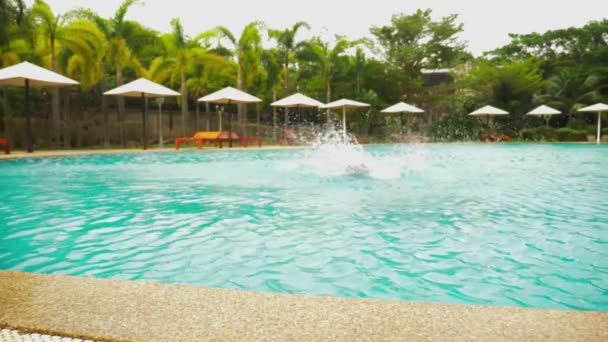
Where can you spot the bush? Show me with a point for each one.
(569, 134)
(539, 134)
(552, 134)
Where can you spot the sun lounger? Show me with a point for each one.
(6, 144)
(217, 138)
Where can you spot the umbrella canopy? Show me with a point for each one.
(16, 75)
(488, 111)
(544, 110)
(344, 104)
(402, 107)
(29, 75)
(599, 108)
(230, 95)
(297, 100)
(142, 88)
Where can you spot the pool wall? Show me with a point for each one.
(103, 309)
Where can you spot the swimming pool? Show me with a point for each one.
(514, 225)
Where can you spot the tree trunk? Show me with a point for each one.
(68, 123)
(7, 117)
(208, 125)
(286, 80)
(196, 118)
(55, 100)
(104, 112)
(274, 116)
(240, 107)
(184, 91)
(120, 102)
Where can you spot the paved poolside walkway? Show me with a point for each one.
(54, 153)
(102, 309)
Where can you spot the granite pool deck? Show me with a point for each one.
(102, 309)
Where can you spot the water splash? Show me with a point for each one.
(332, 156)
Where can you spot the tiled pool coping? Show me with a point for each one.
(103, 309)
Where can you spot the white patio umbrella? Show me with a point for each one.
(344, 104)
(599, 108)
(401, 108)
(30, 75)
(230, 95)
(545, 112)
(145, 89)
(488, 111)
(297, 101)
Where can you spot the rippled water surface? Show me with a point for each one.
(515, 225)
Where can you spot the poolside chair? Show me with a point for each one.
(217, 138)
(6, 144)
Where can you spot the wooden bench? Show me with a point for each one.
(6, 144)
(217, 139)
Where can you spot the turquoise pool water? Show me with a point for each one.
(513, 225)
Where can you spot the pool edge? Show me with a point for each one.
(104, 309)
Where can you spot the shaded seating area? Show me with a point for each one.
(493, 137)
(217, 138)
(6, 145)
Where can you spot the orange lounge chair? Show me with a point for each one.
(6, 144)
(217, 138)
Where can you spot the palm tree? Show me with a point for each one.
(325, 58)
(286, 41)
(82, 60)
(50, 24)
(272, 66)
(176, 61)
(246, 51)
(118, 56)
(209, 71)
(572, 89)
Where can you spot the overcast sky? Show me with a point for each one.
(486, 22)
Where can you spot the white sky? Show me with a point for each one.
(486, 22)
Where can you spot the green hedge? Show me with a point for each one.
(553, 134)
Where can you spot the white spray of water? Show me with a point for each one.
(331, 156)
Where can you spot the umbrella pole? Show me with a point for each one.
(160, 124)
(28, 119)
(229, 128)
(599, 127)
(219, 114)
(344, 123)
(143, 119)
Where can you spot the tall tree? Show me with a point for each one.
(246, 51)
(272, 67)
(414, 42)
(325, 58)
(286, 43)
(118, 55)
(50, 24)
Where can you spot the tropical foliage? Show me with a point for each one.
(417, 58)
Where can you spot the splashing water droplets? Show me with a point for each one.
(333, 156)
